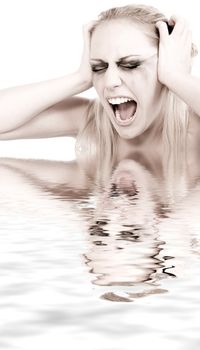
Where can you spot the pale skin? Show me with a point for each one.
(53, 109)
(174, 56)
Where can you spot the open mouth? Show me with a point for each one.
(124, 109)
(124, 183)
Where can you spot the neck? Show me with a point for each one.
(150, 139)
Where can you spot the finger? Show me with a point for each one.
(177, 19)
(88, 27)
(163, 30)
(86, 30)
(194, 50)
(180, 24)
(171, 21)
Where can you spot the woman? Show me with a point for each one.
(141, 72)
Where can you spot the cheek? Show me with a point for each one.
(137, 81)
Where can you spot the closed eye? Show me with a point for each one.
(125, 66)
(129, 66)
(99, 69)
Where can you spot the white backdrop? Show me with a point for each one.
(42, 39)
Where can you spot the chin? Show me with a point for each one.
(127, 134)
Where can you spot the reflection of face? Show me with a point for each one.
(134, 77)
(129, 197)
(124, 231)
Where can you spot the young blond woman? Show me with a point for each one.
(139, 63)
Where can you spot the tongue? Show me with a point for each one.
(126, 109)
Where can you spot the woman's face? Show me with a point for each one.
(124, 64)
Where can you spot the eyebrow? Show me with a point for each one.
(120, 60)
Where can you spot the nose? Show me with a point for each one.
(112, 78)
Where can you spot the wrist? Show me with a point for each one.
(84, 81)
(172, 81)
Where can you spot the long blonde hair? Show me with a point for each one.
(98, 133)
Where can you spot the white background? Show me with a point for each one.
(42, 39)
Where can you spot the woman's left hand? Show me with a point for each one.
(174, 58)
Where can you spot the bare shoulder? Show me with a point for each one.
(65, 118)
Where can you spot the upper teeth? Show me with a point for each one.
(118, 100)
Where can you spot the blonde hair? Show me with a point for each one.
(96, 143)
(98, 131)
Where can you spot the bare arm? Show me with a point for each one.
(65, 118)
(48, 108)
(19, 105)
(55, 176)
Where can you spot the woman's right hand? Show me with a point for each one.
(85, 69)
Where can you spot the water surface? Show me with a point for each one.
(107, 262)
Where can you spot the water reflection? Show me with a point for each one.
(127, 232)
(131, 227)
(125, 243)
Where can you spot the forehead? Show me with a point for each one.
(119, 37)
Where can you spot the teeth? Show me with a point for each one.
(117, 114)
(118, 100)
